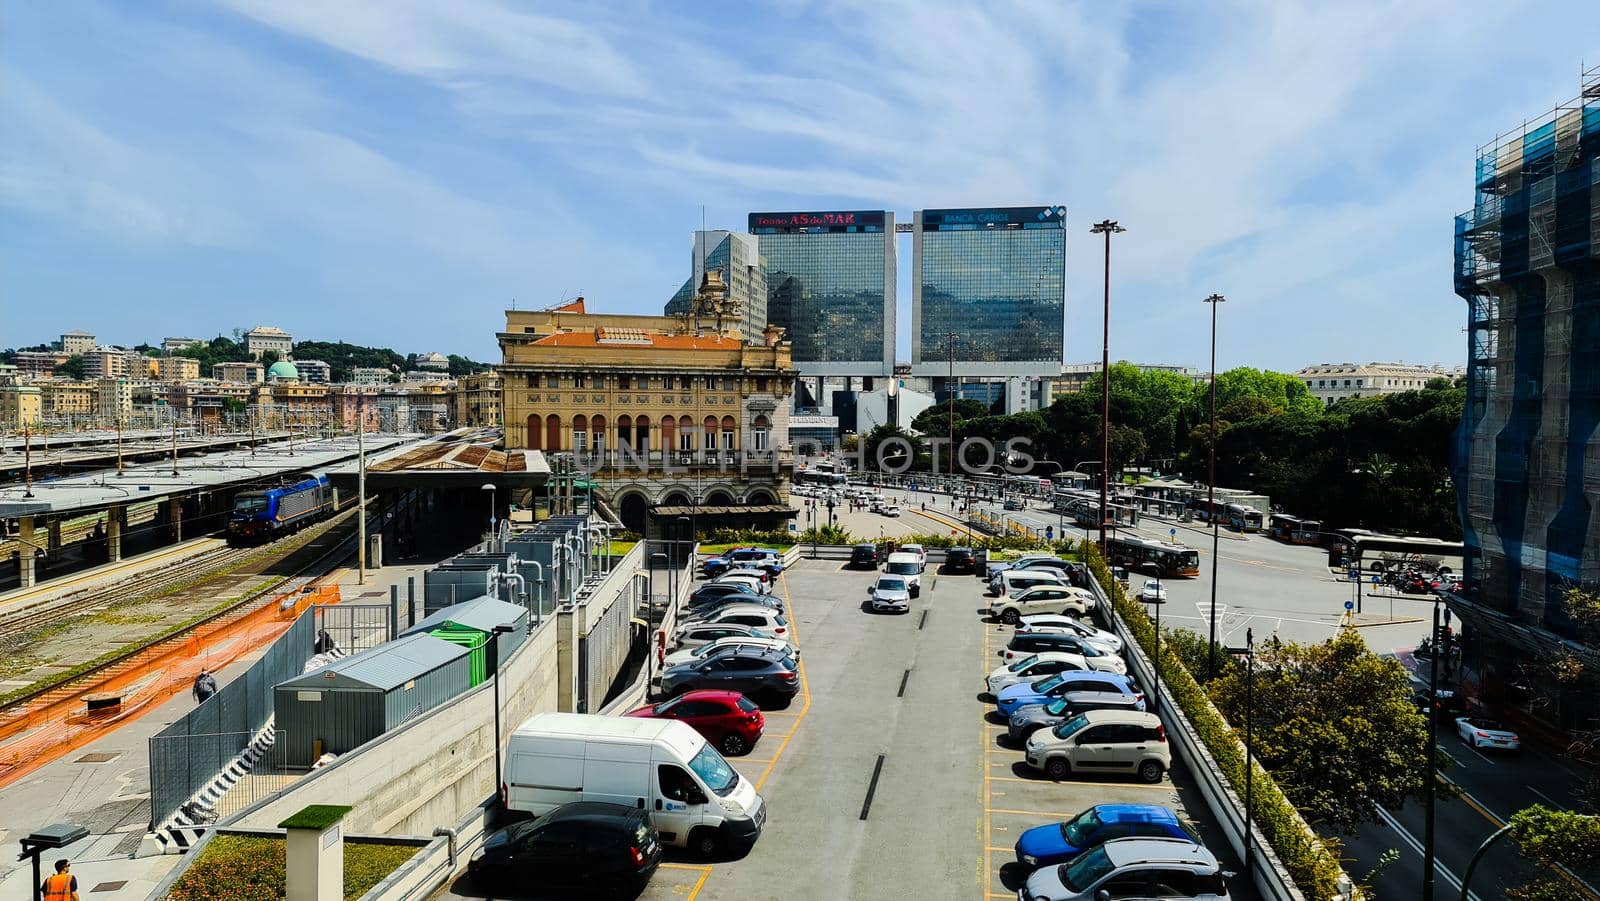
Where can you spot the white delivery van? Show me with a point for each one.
(695, 799)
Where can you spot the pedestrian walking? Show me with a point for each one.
(325, 643)
(205, 685)
(60, 886)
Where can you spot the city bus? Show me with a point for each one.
(1284, 526)
(1167, 559)
(1377, 553)
(822, 474)
(1242, 518)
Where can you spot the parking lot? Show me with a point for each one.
(884, 778)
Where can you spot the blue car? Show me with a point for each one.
(1045, 690)
(1060, 842)
(759, 558)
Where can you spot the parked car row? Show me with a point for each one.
(1071, 709)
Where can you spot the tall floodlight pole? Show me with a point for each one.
(1107, 227)
(1211, 494)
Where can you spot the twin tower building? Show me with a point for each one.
(988, 290)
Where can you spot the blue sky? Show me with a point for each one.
(395, 173)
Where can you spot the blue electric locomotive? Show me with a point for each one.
(266, 515)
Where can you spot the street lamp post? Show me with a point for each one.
(1107, 227)
(1211, 495)
(1431, 753)
(494, 653)
(488, 488)
(1249, 651)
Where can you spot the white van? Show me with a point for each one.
(695, 799)
(908, 566)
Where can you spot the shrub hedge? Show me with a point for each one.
(1312, 864)
(251, 868)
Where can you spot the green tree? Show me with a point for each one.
(1554, 838)
(1334, 724)
(894, 455)
(936, 419)
(268, 357)
(73, 368)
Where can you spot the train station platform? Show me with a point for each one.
(196, 489)
(52, 455)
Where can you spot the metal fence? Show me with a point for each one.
(353, 627)
(189, 753)
(222, 794)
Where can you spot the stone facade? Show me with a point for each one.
(659, 408)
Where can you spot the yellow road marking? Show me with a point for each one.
(684, 866)
(805, 690)
(1032, 813)
(695, 892)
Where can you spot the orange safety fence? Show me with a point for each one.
(68, 717)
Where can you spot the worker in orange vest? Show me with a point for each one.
(63, 886)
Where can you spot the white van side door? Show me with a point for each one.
(679, 802)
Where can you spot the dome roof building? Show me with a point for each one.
(283, 371)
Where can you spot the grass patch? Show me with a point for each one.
(251, 868)
(621, 548)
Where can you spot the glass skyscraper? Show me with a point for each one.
(830, 279)
(995, 279)
(735, 255)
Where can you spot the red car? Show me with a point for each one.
(727, 719)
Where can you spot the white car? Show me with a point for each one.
(694, 635)
(1034, 666)
(1054, 622)
(1153, 592)
(907, 566)
(890, 594)
(891, 510)
(716, 645)
(1055, 597)
(766, 619)
(1482, 732)
(755, 583)
(919, 550)
(1165, 868)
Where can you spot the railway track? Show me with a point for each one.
(342, 547)
(136, 587)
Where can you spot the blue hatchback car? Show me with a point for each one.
(1060, 842)
(1045, 690)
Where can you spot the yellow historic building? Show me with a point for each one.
(673, 410)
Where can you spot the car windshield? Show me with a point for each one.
(1084, 872)
(1080, 826)
(1024, 663)
(714, 771)
(892, 584)
(1087, 650)
(1057, 707)
(1070, 726)
(1045, 685)
(903, 569)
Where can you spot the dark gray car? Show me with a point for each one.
(1027, 720)
(704, 608)
(769, 678)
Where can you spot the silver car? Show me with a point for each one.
(890, 594)
(1027, 720)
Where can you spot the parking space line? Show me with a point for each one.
(805, 690)
(1033, 813)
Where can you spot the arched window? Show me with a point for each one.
(711, 433)
(729, 430)
(641, 435)
(624, 431)
(580, 434)
(552, 432)
(669, 434)
(535, 437)
(760, 432)
(597, 427)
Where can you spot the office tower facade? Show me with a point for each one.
(989, 289)
(831, 287)
(1527, 468)
(737, 257)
